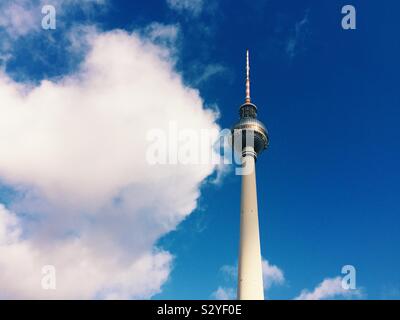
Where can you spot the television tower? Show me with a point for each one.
(252, 137)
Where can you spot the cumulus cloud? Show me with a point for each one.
(272, 275)
(21, 17)
(166, 35)
(192, 6)
(18, 17)
(9, 229)
(229, 271)
(158, 31)
(224, 294)
(329, 288)
(21, 31)
(74, 151)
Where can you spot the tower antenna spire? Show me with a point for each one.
(247, 100)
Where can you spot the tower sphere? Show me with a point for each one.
(251, 130)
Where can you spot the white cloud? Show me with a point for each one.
(18, 17)
(164, 35)
(230, 271)
(21, 17)
(21, 28)
(205, 72)
(192, 6)
(157, 31)
(272, 275)
(224, 294)
(295, 43)
(327, 289)
(9, 229)
(89, 203)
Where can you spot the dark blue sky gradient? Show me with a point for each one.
(328, 185)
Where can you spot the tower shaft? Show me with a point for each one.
(250, 279)
(250, 138)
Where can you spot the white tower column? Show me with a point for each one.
(250, 138)
(250, 279)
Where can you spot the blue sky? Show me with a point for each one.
(327, 185)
